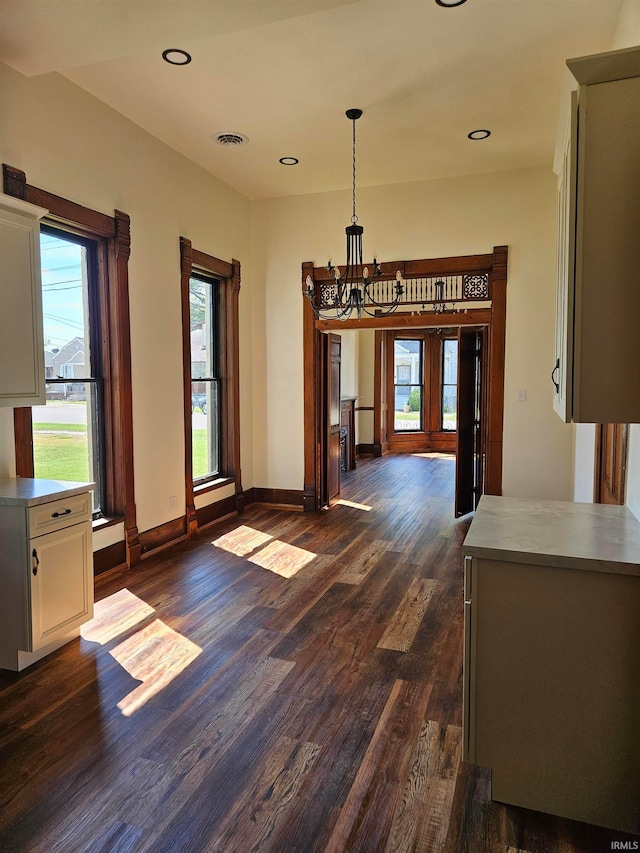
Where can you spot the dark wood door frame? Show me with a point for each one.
(493, 318)
(610, 463)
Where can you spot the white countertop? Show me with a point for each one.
(24, 491)
(594, 537)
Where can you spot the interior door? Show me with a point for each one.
(332, 408)
(611, 463)
(470, 449)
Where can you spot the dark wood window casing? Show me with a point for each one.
(196, 264)
(110, 237)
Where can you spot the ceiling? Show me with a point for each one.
(283, 72)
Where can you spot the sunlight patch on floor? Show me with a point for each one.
(242, 540)
(343, 502)
(283, 559)
(434, 454)
(114, 615)
(154, 656)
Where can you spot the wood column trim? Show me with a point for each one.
(311, 496)
(186, 265)
(120, 332)
(23, 432)
(234, 380)
(497, 336)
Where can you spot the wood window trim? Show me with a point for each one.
(112, 235)
(193, 262)
(493, 318)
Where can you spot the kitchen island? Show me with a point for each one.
(552, 657)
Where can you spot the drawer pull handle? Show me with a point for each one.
(58, 514)
(34, 554)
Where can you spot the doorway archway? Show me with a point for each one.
(478, 288)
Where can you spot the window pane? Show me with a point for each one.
(408, 408)
(407, 377)
(449, 384)
(67, 431)
(450, 363)
(65, 308)
(205, 420)
(203, 338)
(66, 438)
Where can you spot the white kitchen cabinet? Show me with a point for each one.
(46, 567)
(552, 649)
(597, 350)
(22, 374)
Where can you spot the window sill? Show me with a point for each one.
(102, 523)
(212, 485)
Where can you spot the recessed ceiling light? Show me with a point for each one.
(230, 139)
(449, 4)
(289, 161)
(175, 56)
(479, 134)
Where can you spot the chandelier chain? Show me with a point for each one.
(354, 218)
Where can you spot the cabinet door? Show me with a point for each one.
(61, 572)
(21, 341)
(565, 276)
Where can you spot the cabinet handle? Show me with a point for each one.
(58, 514)
(34, 555)
(557, 367)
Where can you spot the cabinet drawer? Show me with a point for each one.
(57, 515)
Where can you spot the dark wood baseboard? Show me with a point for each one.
(163, 535)
(172, 532)
(285, 498)
(422, 442)
(112, 557)
(214, 512)
(365, 450)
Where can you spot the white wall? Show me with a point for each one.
(349, 355)
(72, 144)
(454, 216)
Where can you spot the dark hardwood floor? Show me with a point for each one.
(285, 682)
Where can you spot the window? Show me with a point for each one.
(210, 288)
(85, 430)
(408, 384)
(204, 310)
(68, 441)
(449, 383)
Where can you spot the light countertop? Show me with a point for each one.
(592, 537)
(24, 491)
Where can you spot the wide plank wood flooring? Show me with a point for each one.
(284, 682)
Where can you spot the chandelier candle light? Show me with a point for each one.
(353, 291)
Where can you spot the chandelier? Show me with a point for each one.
(355, 290)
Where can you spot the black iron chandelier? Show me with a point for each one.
(356, 289)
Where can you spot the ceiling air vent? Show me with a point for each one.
(230, 140)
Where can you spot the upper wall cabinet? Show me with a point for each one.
(22, 374)
(596, 373)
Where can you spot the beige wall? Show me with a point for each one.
(73, 145)
(438, 218)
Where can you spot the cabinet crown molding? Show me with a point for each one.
(605, 67)
(17, 205)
